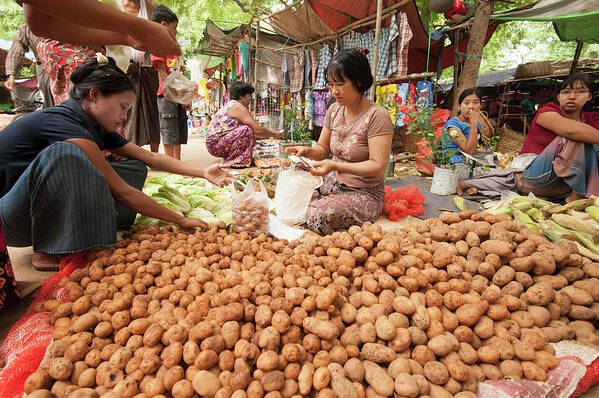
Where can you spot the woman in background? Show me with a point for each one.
(232, 132)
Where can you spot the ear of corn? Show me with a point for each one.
(460, 203)
(535, 214)
(580, 204)
(522, 218)
(501, 210)
(593, 211)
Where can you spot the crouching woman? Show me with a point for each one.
(57, 191)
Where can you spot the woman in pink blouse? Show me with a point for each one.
(358, 134)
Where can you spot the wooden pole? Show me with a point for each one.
(456, 64)
(220, 87)
(377, 37)
(256, 67)
(576, 56)
(471, 67)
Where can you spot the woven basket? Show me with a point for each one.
(487, 130)
(509, 140)
(533, 69)
(410, 141)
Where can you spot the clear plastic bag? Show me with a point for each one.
(293, 194)
(179, 89)
(250, 208)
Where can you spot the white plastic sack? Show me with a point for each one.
(293, 193)
(250, 209)
(179, 89)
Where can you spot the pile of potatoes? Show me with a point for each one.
(427, 310)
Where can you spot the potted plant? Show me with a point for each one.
(419, 120)
(297, 126)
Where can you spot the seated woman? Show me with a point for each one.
(232, 132)
(58, 193)
(562, 135)
(358, 133)
(461, 132)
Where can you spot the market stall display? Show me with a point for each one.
(433, 309)
(191, 197)
(577, 221)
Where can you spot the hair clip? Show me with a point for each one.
(363, 51)
(101, 58)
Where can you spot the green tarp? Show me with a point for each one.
(573, 20)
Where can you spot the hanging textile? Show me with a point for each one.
(244, 48)
(314, 67)
(320, 106)
(387, 96)
(296, 75)
(386, 66)
(239, 63)
(233, 68)
(324, 57)
(309, 106)
(425, 93)
(307, 68)
(402, 92)
(405, 35)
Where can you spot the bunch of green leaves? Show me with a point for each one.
(418, 118)
(295, 120)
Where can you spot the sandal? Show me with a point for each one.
(45, 262)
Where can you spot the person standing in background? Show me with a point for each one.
(23, 41)
(172, 116)
(143, 125)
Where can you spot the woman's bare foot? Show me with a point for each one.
(45, 262)
(469, 190)
(574, 196)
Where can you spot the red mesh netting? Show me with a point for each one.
(25, 345)
(590, 379)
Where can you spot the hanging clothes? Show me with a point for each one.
(244, 48)
(387, 96)
(307, 68)
(320, 106)
(233, 68)
(239, 63)
(425, 93)
(402, 92)
(314, 64)
(296, 75)
(324, 57)
(309, 106)
(386, 65)
(405, 35)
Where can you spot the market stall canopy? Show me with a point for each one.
(316, 19)
(220, 42)
(573, 20)
(487, 79)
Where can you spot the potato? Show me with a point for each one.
(321, 378)
(440, 345)
(436, 372)
(532, 371)
(342, 386)
(377, 353)
(378, 378)
(406, 385)
(324, 329)
(38, 380)
(205, 383)
(61, 368)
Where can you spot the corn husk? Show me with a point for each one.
(460, 203)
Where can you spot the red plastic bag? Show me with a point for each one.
(405, 201)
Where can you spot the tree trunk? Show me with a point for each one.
(475, 49)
